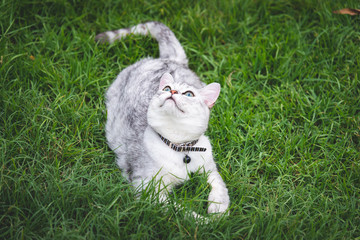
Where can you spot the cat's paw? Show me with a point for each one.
(218, 203)
(215, 207)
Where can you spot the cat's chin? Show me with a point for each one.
(176, 125)
(176, 135)
(171, 104)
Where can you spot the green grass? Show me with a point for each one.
(285, 130)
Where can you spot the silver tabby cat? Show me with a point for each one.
(157, 113)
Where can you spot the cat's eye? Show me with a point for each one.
(167, 89)
(189, 94)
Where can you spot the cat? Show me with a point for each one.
(157, 113)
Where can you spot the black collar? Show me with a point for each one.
(183, 147)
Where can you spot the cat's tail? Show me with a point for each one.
(169, 45)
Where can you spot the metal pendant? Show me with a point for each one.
(187, 159)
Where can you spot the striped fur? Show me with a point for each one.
(170, 48)
(139, 110)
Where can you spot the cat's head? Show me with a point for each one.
(180, 112)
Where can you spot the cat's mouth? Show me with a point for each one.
(172, 99)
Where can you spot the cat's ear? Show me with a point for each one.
(210, 93)
(165, 80)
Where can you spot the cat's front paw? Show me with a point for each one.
(217, 207)
(218, 203)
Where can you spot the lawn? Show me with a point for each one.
(285, 130)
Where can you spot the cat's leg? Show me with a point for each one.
(158, 191)
(218, 198)
(152, 188)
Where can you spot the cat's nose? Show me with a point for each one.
(173, 92)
